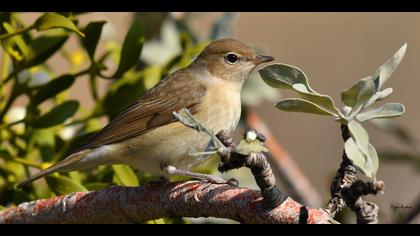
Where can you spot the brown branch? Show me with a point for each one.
(156, 200)
(260, 169)
(188, 199)
(296, 183)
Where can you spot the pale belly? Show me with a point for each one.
(170, 144)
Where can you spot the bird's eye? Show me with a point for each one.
(231, 58)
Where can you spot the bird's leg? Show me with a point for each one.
(172, 170)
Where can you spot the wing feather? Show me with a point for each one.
(152, 110)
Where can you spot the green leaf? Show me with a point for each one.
(284, 76)
(9, 47)
(17, 39)
(93, 32)
(131, 49)
(385, 111)
(53, 88)
(359, 94)
(57, 115)
(45, 142)
(121, 94)
(5, 17)
(125, 175)
(76, 176)
(301, 105)
(323, 101)
(52, 20)
(245, 148)
(360, 135)
(384, 72)
(43, 48)
(367, 164)
(93, 186)
(61, 185)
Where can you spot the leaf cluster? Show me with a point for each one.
(357, 100)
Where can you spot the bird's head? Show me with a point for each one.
(229, 59)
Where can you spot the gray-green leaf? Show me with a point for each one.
(385, 111)
(360, 135)
(384, 72)
(52, 20)
(301, 105)
(284, 76)
(61, 185)
(57, 115)
(359, 94)
(323, 101)
(384, 94)
(125, 175)
(367, 163)
(354, 154)
(379, 96)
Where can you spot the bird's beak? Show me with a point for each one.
(261, 59)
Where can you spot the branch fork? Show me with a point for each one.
(346, 190)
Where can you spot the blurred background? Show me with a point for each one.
(333, 49)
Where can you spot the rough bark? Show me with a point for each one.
(155, 200)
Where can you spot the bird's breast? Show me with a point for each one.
(221, 108)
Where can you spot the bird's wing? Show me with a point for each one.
(152, 110)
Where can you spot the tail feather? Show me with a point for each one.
(62, 165)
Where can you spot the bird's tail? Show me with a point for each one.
(63, 165)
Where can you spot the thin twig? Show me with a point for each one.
(260, 169)
(295, 181)
(345, 177)
(346, 190)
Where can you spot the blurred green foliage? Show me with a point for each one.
(50, 124)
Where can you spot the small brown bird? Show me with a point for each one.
(148, 137)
